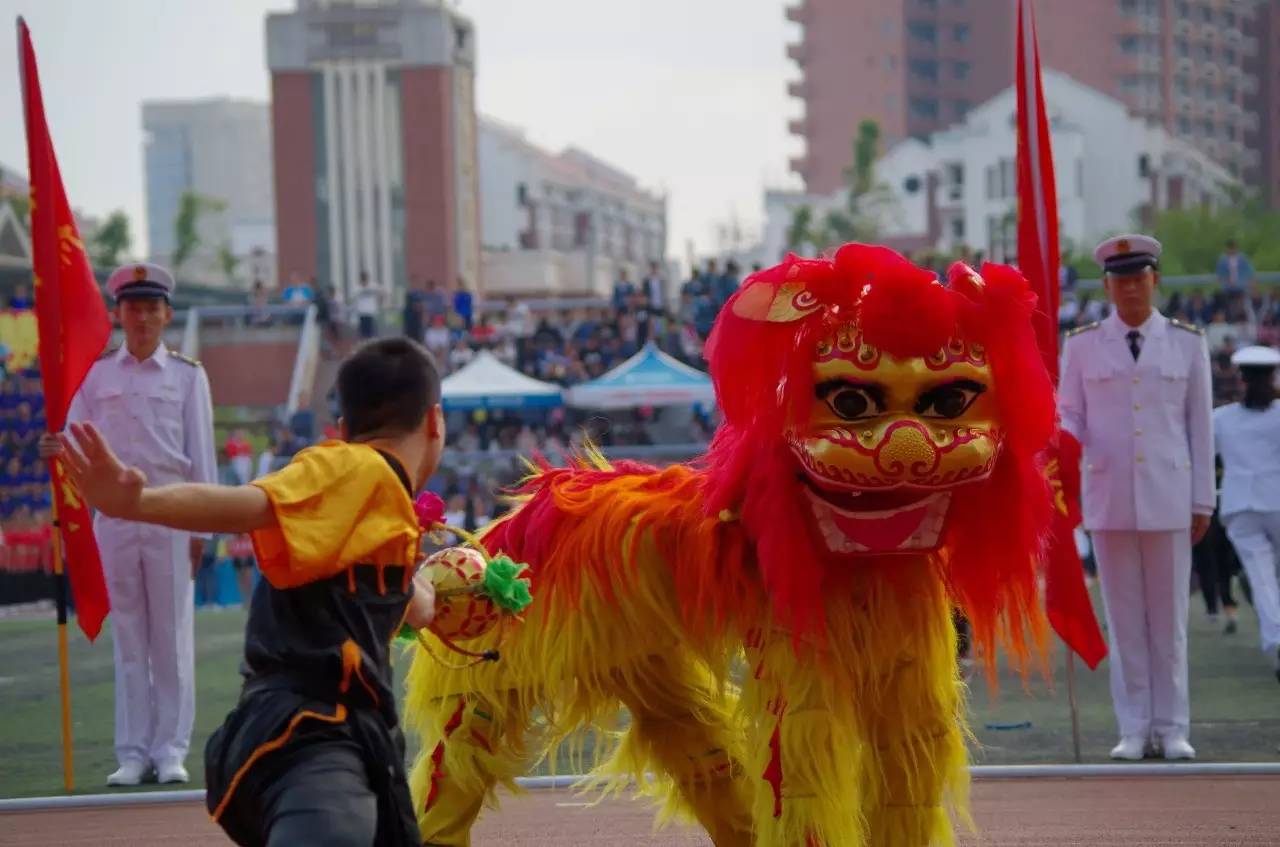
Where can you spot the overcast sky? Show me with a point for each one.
(687, 95)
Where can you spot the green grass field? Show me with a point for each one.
(1235, 703)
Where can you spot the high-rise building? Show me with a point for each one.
(917, 66)
(1266, 102)
(373, 112)
(220, 149)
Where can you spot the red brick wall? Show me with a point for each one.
(249, 374)
(293, 150)
(429, 175)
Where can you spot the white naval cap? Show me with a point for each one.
(1125, 254)
(140, 279)
(1256, 356)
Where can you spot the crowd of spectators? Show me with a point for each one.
(25, 499)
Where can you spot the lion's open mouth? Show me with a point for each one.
(898, 521)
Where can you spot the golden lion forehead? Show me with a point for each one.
(794, 300)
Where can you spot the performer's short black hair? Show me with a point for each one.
(386, 387)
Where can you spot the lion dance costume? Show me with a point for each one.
(776, 616)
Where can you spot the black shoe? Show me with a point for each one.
(1231, 627)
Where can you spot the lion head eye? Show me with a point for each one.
(950, 400)
(852, 401)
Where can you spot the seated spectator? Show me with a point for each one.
(411, 318)
(368, 305)
(438, 336)
(460, 355)
(434, 300)
(484, 333)
(20, 298)
(298, 292)
(519, 320)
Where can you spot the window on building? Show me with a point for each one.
(961, 108)
(1131, 84)
(1184, 125)
(1205, 52)
(1002, 179)
(1129, 44)
(957, 229)
(1206, 13)
(1144, 165)
(928, 4)
(1207, 89)
(960, 33)
(1184, 9)
(923, 69)
(890, 106)
(1206, 128)
(1228, 56)
(955, 180)
(924, 107)
(961, 70)
(923, 31)
(1229, 93)
(890, 62)
(1129, 6)
(1181, 85)
(1183, 48)
(1228, 17)
(522, 194)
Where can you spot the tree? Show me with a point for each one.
(228, 261)
(186, 224)
(860, 177)
(1194, 238)
(798, 231)
(112, 239)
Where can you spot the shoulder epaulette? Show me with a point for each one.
(110, 351)
(1071, 333)
(1184, 325)
(186, 360)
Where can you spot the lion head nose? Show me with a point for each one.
(908, 450)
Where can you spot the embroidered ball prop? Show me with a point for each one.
(472, 595)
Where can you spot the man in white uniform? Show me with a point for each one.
(154, 407)
(1135, 391)
(1247, 436)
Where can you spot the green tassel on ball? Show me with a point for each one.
(407, 633)
(504, 585)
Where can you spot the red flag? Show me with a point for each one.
(73, 329)
(1066, 597)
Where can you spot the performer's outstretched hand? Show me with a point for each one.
(109, 485)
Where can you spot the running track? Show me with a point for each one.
(1092, 812)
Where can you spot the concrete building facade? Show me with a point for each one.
(916, 66)
(958, 186)
(561, 223)
(373, 113)
(220, 149)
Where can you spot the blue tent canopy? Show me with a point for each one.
(486, 383)
(649, 378)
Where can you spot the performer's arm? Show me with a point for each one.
(120, 491)
(422, 606)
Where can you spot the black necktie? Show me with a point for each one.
(1134, 346)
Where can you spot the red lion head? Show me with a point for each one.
(872, 411)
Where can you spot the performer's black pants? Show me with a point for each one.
(1214, 561)
(316, 794)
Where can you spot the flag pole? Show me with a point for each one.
(1071, 699)
(64, 670)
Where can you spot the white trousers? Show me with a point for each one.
(148, 571)
(1256, 537)
(1146, 580)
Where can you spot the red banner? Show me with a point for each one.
(1066, 596)
(73, 329)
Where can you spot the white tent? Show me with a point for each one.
(486, 383)
(649, 378)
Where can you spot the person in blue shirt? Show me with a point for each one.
(1235, 271)
(622, 291)
(463, 303)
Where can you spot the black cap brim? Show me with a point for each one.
(145, 289)
(1130, 263)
